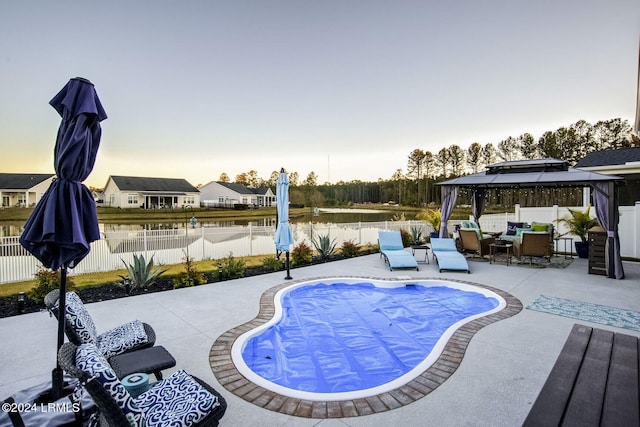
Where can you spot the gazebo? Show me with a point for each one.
(543, 173)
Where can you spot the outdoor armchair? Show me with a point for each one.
(471, 243)
(533, 245)
(179, 400)
(80, 328)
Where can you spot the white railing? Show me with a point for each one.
(204, 243)
(212, 243)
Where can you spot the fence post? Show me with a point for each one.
(203, 243)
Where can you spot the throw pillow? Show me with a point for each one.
(539, 227)
(512, 226)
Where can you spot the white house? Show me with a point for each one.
(23, 189)
(624, 162)
(149, 193)
(225, 194)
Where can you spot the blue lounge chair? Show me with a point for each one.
(447, 255)
(392, 249)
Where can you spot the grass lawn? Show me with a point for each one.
(97, 279)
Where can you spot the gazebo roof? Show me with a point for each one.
(531, 173)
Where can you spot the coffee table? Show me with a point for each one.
(493, 250)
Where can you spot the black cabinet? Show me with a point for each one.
(597, 248)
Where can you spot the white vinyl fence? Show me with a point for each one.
(204, 243)
(212, 243)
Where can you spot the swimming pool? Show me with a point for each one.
(346, 338)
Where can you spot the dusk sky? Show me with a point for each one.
(346, 89)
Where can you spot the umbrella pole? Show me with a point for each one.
(288, 264)
(57, 374)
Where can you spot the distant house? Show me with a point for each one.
(23, 189)
(624, 162)
(149, 193)
(225, 194)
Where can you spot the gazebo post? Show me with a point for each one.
(613, 225)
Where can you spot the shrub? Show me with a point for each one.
(142, 273)
(190, 277)
(232, 268)
(46, 281)
(350, 249)
(324, 246)
(433, 217)
(301, 254)
(407, 240)
(272, 263)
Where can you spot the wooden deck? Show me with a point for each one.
(594, 382)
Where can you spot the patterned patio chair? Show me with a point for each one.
(179, 400)
(80, 328)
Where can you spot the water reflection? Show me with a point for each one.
(340, 216)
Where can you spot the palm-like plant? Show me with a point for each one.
(433, 217)
(579, 223)
(325, 246)
(142, 273)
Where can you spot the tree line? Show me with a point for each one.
(416, 186)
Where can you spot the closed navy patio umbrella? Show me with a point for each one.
(64, 222)
(283, 238)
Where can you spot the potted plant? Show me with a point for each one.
(579, 224)
(433, 217)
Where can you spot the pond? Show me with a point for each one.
(321, 215)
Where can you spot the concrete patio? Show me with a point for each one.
(504, 368)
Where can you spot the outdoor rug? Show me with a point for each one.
(537, 262)
(588, 312)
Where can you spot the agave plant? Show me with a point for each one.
(325, 246)
(142, 273)
(416, 234)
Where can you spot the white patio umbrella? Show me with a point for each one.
(283, 237)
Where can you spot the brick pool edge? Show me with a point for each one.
(233, 381)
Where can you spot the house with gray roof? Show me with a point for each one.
(23, 189)
(149, 193)
(226, 194)
(624, 162)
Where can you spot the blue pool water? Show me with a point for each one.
(342, 337)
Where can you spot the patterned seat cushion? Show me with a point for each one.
(94, 365)
(176, 401)
(78, 318)
(122, 339)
